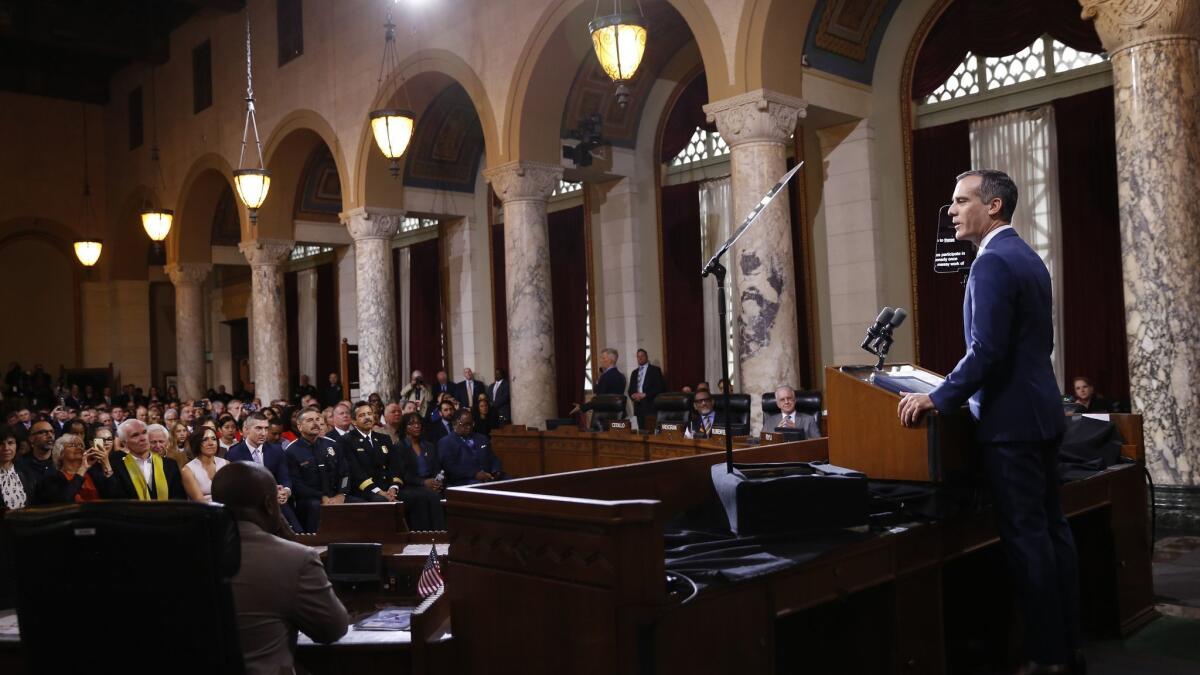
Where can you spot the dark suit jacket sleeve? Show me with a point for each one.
(317, 611)
(282, 475)
(174, 480)
(991, 290)
(452, 461)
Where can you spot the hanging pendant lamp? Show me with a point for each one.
(392, 127)
(252, 183)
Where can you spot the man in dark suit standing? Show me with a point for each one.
(281, 586)
(469, 389)
(138, 473)
(611, 380)
(254, 448)
(500, 394)
(645, 383)
(331, 394)
(1007, 379)
(443, 385)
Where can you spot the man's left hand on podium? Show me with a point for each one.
(912, 407)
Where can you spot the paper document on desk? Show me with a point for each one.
(391, 618)
(906, 379)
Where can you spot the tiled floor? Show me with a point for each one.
(1170, 644)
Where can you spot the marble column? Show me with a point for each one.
(524, 187)
(1155, 52)
(188, 279)
(373, 231)
(758, 127)
(268, 326)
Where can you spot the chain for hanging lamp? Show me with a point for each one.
(619, 40)
(392, 127)
(88, 248)
(252, 183)
(156, 220)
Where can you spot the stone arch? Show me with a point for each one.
(285, 154)
(540, 84)
(60, 238)
(424, 74)
(767, 53)
(191, 234)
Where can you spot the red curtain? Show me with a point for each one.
(939, 155)
(568, 280)
(499, 299)
(996, 28)
(683, 290)
(425, 307)
(328, 328)
(1093, 298)
(686, 115)
(291, 308)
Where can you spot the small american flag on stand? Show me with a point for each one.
(431, 575)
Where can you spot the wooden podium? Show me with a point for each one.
(865, 434)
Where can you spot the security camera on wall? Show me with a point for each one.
(590, 139)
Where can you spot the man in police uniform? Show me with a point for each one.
(319, 474)
(377, 468)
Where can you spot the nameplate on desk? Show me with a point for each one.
(718, 431)
(770, 437)
(614, 425)
(669, 427)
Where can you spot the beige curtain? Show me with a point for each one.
(716, 224)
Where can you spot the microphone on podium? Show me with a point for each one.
(874, 331)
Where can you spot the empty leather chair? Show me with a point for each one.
(739, 413)
(607, 407)
(674, 407)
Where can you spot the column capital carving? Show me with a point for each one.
(1122, 24)
(187, 273)
(524, 180)
(761, 115)
(266, 252)
(372, 223)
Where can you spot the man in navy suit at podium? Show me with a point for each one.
(1007, 379)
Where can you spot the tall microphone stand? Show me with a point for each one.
(715, 268)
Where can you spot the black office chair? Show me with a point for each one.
(673, 407)
(739, 412)
(108, 568)
(808, 401)
(606, 407)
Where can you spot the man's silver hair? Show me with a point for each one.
(611, 352)
(60, 443)
(785, 386)
(126, 427)
(151, 428)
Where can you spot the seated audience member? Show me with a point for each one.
(424, 452)
(198, 474)
(788, 418)
(705, 418)
(41, 442)
(74, 481)
(237, 409)
(485, 416)
(16, 483)
(1086, 400)
(138, 473)
(178, 433)
(390, 422)
(275, 427)
(154, 415)
(255, 448)
(281, 586)
(687, 389)
(105, 435)
(410, 407)
(79, 428)
(466, 456)
(228, 434)
(443, 425)
(163, 444)
(141, 413)
(341, 421)
(703, 386)
(417, 392)
(58, 420)
(318, 471)
(378, 470)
